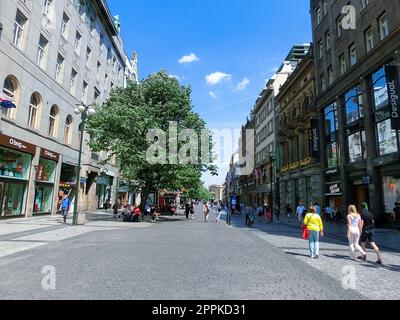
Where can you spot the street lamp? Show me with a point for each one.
(85, 112)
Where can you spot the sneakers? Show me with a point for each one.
(363, 258)
(379, 262)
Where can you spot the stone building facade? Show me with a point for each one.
(299, 171)
(54, 55)
(360, 149)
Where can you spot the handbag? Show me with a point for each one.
(306, 234)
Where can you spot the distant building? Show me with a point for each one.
(217, 191)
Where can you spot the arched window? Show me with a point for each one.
(10, 88)
(53, 120)
(34, 111)
(68, 130)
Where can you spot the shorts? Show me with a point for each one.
(368, 235)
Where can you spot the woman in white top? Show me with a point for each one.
(354, 230)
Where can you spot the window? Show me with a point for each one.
(65, 26)
(342, 64)
(84, 91)
(332, 153)
(353, 105)
(72, 84)
(10, 88)
(352, 55)
(88, 55)
(42, 52)
(98, 70)
(357, 147)
(325, 7)
(18, 33)
(68, 130)
(383, 26)
(53, 121)
(96, 95)
(109, 55)
(48, 5)
(364, 3)
(387, 138)
(328, 41)
(270, 127)
(321, 49)
(331, 122)
(33, 111)
(60, 69)
(323, 82)
(380, 93)
(78, 39)
(369, 39)
(101, 41)
(339, 28)
(318, 15)
(330, 75)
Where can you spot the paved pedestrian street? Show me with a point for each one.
(179, 259)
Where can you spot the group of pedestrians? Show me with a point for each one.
(360, 229)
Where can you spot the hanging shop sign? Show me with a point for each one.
(315, 139)
(393, 87)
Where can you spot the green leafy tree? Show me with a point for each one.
(121, 125)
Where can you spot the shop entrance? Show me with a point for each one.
(361, 194)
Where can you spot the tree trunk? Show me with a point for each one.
(144, 196)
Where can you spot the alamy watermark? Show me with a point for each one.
(193, 147)
(349, 278)
(49, 279)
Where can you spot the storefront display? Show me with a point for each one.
(391, 192)
(14, 164)
(12, 196)
(103, 190)
(43, 199)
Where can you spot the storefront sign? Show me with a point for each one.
(17, 144)
(103, 180)
(367, 180)
(315, 139)
(44, 153)
(70, 161)
(393, 87)
(334, 189)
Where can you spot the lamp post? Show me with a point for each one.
(85, 111)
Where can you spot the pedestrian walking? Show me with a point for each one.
(299, 213)
(187, 210)
(191, 211)
(260, 212)
(315, 228)
(318, 209)
(368, 232)
(206, 211)
(396, 214)
(217, 211)
(115, 210)
(277, 213)
(268, 214)
(65, 206)
(354, 230)
(329, 213)
(289, 212)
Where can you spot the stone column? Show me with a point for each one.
(374, 188)
(342, 139)
(30, 198)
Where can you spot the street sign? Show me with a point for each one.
(393, 87)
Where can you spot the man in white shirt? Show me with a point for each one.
(299, 212)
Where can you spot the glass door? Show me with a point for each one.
(1, 198)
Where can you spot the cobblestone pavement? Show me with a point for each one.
(372, 281)
(173, 259)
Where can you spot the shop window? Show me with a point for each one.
(46, 170)
(391, 192)
(331, 121)
(10, 88)
(332, 155)
(12, 197)
(43, 199)
(387, 138)
(14, 164)
(354, 105)
(357, 147)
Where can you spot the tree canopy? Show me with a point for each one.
(121, 127)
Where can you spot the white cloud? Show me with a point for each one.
(188, 59)
(217, 77)
(213, 94)
(176, 77)
(243, 84)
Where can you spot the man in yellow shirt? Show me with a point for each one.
(315, 227)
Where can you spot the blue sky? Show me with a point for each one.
(237, 43)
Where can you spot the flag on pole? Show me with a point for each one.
(6, 101)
